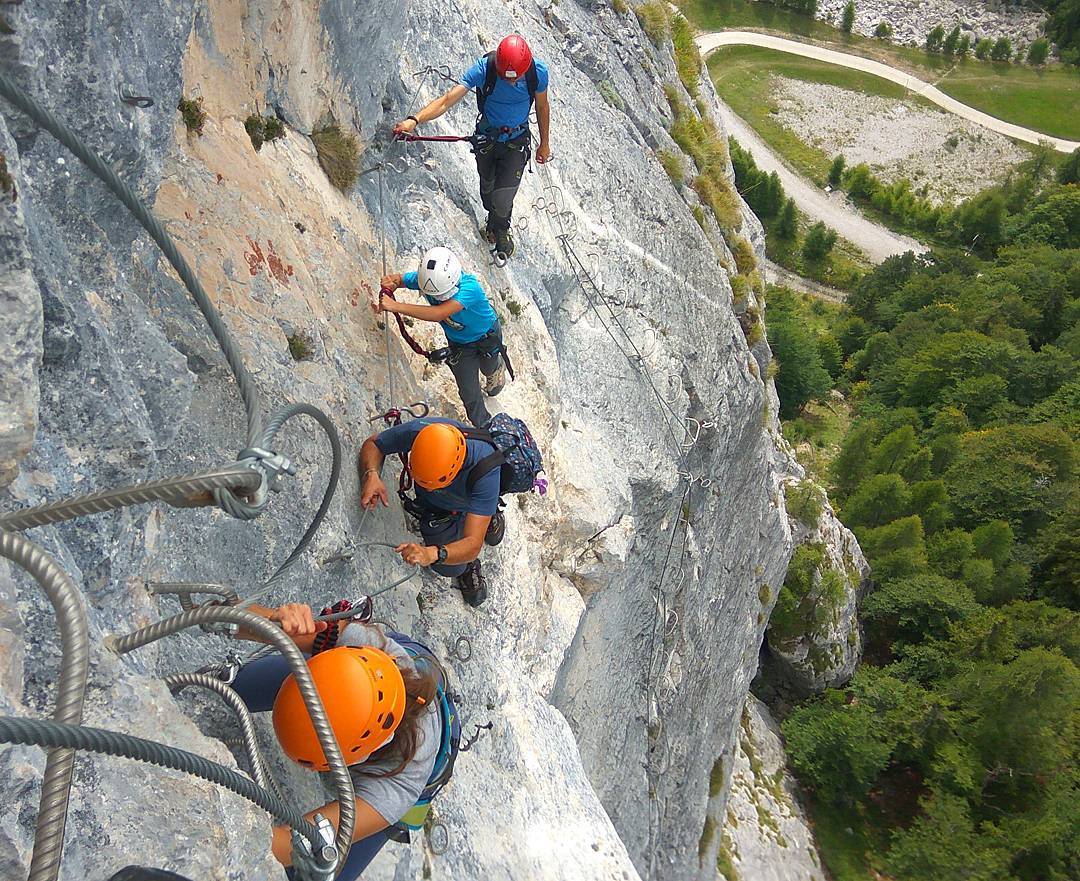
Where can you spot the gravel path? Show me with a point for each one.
(708, 42)
(945, 158)
(777, 275)
(834, 209)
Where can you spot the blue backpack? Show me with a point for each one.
(448, 747)
(516, 454)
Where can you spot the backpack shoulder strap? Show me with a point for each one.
(532, 80)
(486, 465)
(491, 76)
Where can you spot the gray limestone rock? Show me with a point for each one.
(765, 835)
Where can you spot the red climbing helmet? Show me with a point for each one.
(513, 57)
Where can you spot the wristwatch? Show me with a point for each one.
(442, 554)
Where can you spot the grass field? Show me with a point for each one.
(1047, 99)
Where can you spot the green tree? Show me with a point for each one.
(935, 38)
(896, 550)
(787, 225)
(883, 31)
(878, 500)
(847, 19)
(1069, 170)
(836, 171)
(1002, 50)
(802, 377)
(1058, 560)
(952, 42)
(923, 606)
(860, 182)
(930, 500)
(964, 46)
(983, 48)
(832, 357)
(837, 748)
(1038, 51)
(1063, 27)
(944, 842)
(948, 550)
(977, 222)
(818, 243)
(1016, 473)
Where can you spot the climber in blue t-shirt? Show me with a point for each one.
(458, 302)
(507, 82)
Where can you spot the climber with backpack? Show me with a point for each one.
(460, 474)
(457, 301)
(507, 82)
(387, 700)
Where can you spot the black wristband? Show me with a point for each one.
(442, 552)
(413, 118)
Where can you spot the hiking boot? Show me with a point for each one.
(494, 383)
(489, 234)
(496, 529)
(472, 585)
(504, 244)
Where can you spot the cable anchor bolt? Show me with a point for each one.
(315, 861)
(272, 465)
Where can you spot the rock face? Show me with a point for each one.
(625, 613)
(765, 836)
(813, 639)
(1019, 21)
(20, 322)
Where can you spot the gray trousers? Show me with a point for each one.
(500, 165)
(467, 362)
(441, 529)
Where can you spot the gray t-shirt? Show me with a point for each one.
(393, 796)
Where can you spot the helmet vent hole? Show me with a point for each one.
(389, 723)
(381, 698)
(355, 749)
(431, 264)
(365, 734)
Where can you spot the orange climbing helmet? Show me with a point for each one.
(364, 696)
(437, 455)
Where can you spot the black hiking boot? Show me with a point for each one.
(472, 585)
(496, 529)
(504, 244)
(489, 234)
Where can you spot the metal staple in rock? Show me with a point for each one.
(56, 735)
(178, 491)
(71, 694)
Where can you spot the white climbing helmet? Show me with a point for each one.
(439, 273)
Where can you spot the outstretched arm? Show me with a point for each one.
(424, 313)
(543, 120)
(368, 822)
(433, 110)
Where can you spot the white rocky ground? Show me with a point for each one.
(912, 19)
(948, 157)
(765, 835)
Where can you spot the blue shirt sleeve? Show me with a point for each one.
(484, 498)
(399, 439)
(411, 280)
(474, 77)
(541, 77)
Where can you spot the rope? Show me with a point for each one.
(71, 693)
(46, 120)
(53, 735)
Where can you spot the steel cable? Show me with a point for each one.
(180, 681)
(53, 735)
(184, 491)
(339, 772)
(44, 118)
(71, 694)
(273, 426)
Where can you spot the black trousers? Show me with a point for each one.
(467, 362)
(500, 165)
